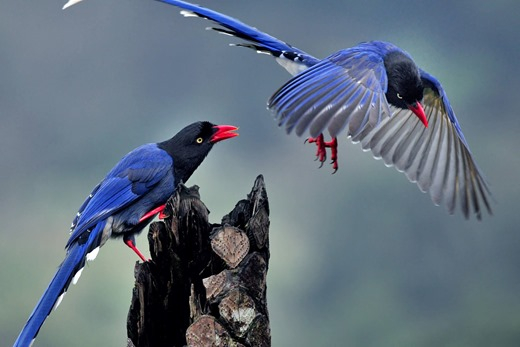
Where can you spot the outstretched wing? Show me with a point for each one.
(134, 176)
(345, 89)
(437, 158)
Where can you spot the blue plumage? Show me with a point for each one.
(71, 265)
(125, 201)
(376, 94)
(144, 175)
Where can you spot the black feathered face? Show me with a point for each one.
(195, 138)
(405, 87)
(190, 146)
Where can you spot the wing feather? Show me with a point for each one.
(436, 158)
(134, 176)
(339, 91)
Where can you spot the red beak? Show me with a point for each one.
(223, 132)
(417, 108)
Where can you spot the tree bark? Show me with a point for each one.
(206, 283)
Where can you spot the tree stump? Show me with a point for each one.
(206, 283)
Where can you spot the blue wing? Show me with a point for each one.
(437, 158)
(132, 178)
(345, 89)
(291, 58)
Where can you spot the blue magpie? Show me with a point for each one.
(123, 203)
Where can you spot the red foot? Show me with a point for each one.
(153, 212)
(130, 244)
(321, 151)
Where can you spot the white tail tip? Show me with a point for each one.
(70, 3)
(186, 13)
(93, 254)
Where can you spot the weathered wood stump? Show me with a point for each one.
(206, 283)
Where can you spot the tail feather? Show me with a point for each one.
(68, 272)
(261, 42)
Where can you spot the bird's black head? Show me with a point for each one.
(191, 145)
(405, 87)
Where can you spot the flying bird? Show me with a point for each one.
(123, 203)
(377, 94)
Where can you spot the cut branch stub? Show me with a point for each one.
(215, 285)
(230, 244)
(207, 331)
(238, 310)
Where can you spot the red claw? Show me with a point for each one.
(321, 151)
(162, 215)
(153, 212)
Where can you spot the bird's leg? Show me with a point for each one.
(321, 151)
(153, 212)
(130, 242)
(333, 145)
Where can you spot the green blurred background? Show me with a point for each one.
(359, 258)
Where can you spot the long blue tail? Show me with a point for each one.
(68, 272)
(260, 41)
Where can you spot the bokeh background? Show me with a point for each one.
(359, 258)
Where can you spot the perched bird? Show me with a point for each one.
(377, 94)
(125, 201)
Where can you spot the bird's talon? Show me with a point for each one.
(321, 151)
(334, 166)
(311, 140)
(153, 212)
